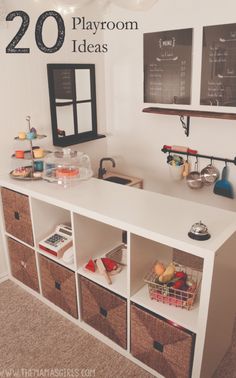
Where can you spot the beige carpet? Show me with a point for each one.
(36, 341)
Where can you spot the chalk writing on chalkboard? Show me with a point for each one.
(218, 80)
(167, 66)
(64, 83)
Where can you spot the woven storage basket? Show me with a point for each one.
(17, 218)
(104, 311)
(58, 285)
(160, 345)
(187, 259)
(23, 264)
(164, 293)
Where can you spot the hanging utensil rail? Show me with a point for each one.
(169, 150)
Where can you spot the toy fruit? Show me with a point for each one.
(156, 280)
(184, 287)
(179, 284)
(90, 265)
(159, 269)
(172, 281)
(191, 284)
(168, 274)
(109, 264)
(181, 275)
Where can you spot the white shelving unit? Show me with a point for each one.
(182, 317)
(45, 218)
(57, 260)
(119, 281)
(156, 225)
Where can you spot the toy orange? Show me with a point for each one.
(159, 268)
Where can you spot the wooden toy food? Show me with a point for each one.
(22, 172)
(38, 152)
(110, 265)
(168, 274)
(67, 172)
(22, 135)
(180, 284)
(30, 135)
(191, 284)
(34, 131)
(90, 266)
(181, 274)
(19, 154)
(37, 174)
(159, 269)
(103, 271)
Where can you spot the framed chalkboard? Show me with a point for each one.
(218, 80)
(168, 66)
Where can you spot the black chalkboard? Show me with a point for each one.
(218, 80)
(64, 83)
(167, 66)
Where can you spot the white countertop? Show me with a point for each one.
(152, 215)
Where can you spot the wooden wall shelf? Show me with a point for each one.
(189, 113)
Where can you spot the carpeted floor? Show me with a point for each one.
(37, 341)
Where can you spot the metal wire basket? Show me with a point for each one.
(167, 294)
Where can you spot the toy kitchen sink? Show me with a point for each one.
(123, 179)
(117, 177)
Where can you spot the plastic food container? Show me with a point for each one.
(66, 166)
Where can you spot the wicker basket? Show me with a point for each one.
(166, 348)
(23, 264)
(16, 211)
(58, 285)
(104, 311)
(176, 297)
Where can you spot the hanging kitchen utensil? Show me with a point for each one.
(223, 187)
(169, 158)
(193, 179)
(209, 174)
(199, 231)
(186, 168)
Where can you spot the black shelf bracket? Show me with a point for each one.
(169, 150)
(185, 124)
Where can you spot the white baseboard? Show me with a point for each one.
(3, 277)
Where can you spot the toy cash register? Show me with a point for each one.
(58, 242)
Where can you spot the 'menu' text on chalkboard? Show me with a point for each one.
(168, 66)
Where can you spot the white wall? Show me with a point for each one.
(24, 85)
(139, 137)
(23, 77)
